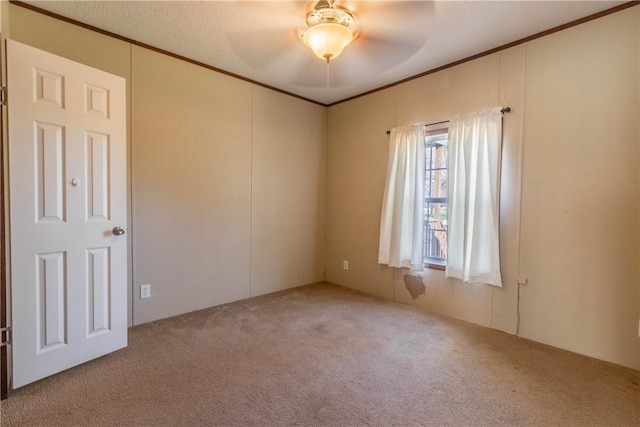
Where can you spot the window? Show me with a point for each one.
(435, 195)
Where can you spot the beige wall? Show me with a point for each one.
(570, 187)
(357, 152)
(288, 185)
(227, 179)
(4, 16)
(191, 180)
(580, 193)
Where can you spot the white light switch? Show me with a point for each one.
(345, 265)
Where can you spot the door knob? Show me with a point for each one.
(118, 231)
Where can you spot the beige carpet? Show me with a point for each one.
(325, 355)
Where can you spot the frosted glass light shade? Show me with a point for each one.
(327, 40)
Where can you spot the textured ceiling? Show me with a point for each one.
(258, 40)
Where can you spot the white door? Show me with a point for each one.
(67, 192)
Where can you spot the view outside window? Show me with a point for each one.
(435, 188)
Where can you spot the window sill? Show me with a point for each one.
(434, 266)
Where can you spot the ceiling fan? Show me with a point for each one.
(383, 34)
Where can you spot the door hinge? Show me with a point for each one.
(5, 334)
(4, 97)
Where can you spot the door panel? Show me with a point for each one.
(97, 176)
(67, 190)
(51, 292)
(49, 157)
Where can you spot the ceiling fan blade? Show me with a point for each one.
(362, 57)
(273, 36)
(273, 44)
(400, 20)
(309, 71)
(390, 32)
(380, 53)
(391, 13)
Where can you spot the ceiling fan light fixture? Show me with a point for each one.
(327, 40)
(330, 30)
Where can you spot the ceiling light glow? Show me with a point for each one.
(330, 31)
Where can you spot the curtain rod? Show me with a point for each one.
(504, 110)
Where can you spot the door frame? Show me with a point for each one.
(4, 301)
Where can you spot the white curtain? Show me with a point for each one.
(473, 197)
(402, 222)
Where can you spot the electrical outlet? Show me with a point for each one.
(345, 264)
(145, 291)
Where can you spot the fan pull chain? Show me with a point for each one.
(327, 73)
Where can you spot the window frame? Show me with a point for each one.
(437, 133)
